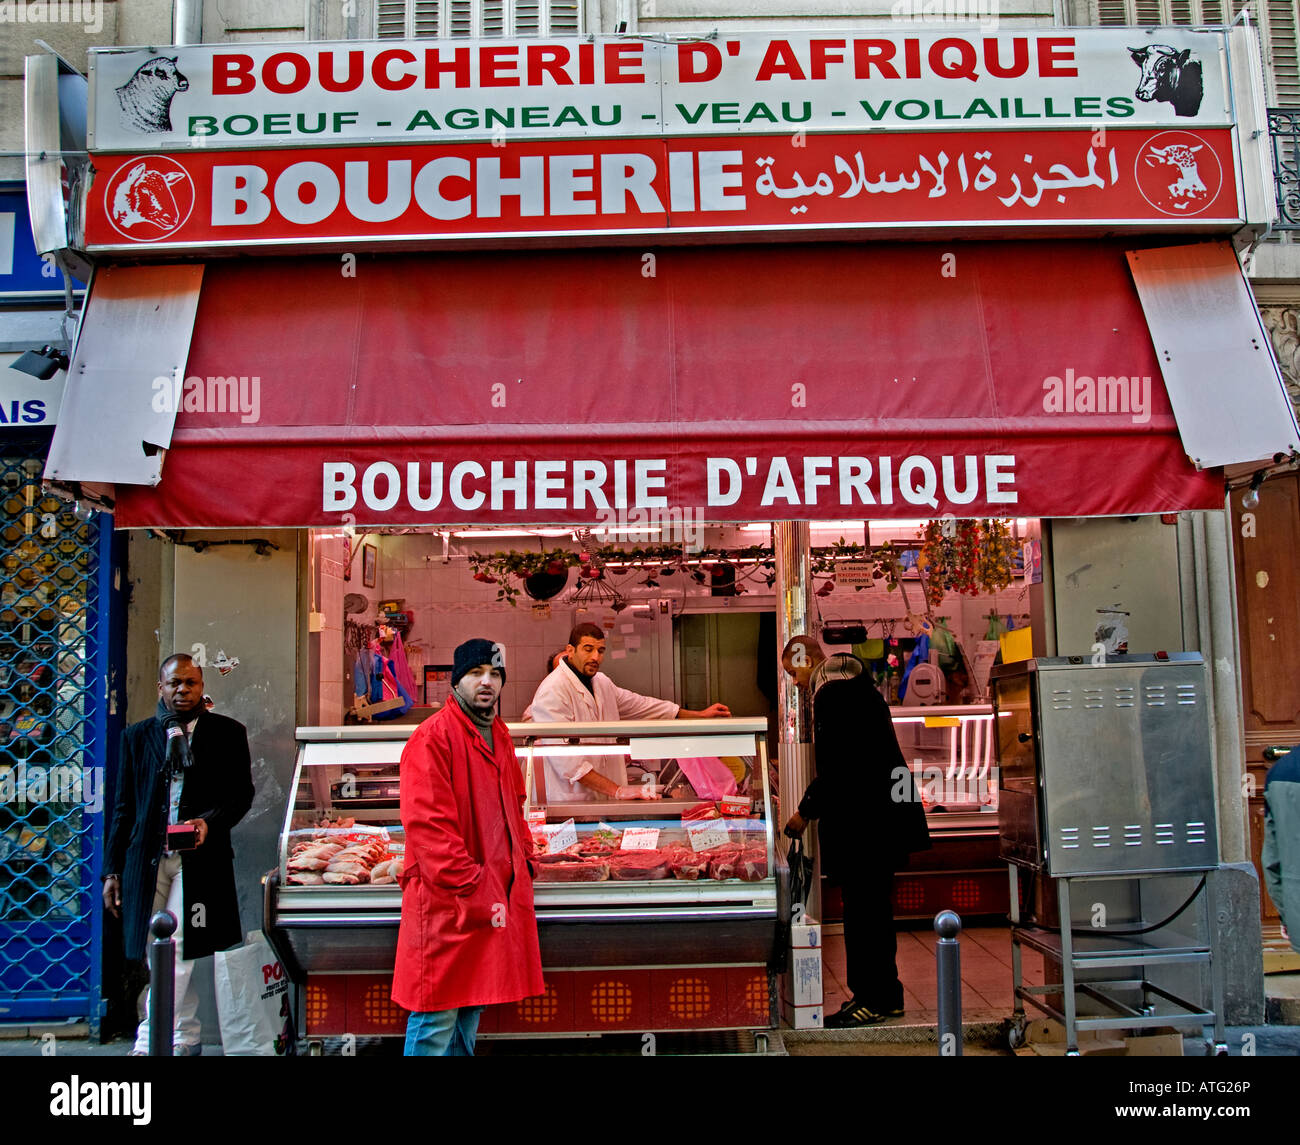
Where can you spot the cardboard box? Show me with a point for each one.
(801, 1017)
(802, 983)
(1045, 1037)
(807, 934)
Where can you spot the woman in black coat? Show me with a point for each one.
(871, 820)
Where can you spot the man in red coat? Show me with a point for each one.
(468, 936)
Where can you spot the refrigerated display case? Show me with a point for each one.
(951, 751)
(653, 915)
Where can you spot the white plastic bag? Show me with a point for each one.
(252, 1000)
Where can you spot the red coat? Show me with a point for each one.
(468, 935)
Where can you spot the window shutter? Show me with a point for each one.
(528, 18)
(494, 17)
(390, 19)
(566, 17)
(406, 19)
(1147, 12)
(1280, 52)
(1111, 13)
(426, 18)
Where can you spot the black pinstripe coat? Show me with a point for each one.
(218, 788)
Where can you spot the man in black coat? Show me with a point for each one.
(161, 781)
(871, 820)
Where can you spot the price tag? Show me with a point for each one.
(705, 834)
(734, 806)
(640, 839)
(561, 837)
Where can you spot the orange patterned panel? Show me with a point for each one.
(611, 1001)
(541, 1010)
(371, 1009)
(325, 1005)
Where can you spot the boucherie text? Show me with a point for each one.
(516, 486)
(283, 95)
(565, 65)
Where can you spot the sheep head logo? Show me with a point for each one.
(149, 198)
(146, 98)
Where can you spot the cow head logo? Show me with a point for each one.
(1178, 173)
(149, 198)
(1169, 76)
(146, 98)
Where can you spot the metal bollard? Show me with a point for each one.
(947, 953)
(162, 984)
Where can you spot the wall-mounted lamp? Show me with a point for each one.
(42, 364)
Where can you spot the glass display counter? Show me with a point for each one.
(631, 890)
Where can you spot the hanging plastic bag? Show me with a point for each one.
(945, 644)
(709, 776)
(801, 875)
(253, 1000)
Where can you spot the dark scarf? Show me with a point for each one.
(483, 723)
(164, 715)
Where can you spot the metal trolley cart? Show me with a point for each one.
(1106, 779)
(673, 947)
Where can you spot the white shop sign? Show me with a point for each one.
(429, 91)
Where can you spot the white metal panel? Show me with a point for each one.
(691, 746)
(44, 154)
(1223, 381)
(117, 418)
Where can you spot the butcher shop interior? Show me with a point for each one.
(689, 613)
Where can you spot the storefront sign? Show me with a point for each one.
(26, 401)
(24, 274)
(330, 196)
(284, 95)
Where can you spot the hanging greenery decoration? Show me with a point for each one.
(976, 557)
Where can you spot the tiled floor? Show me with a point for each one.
(985, 972)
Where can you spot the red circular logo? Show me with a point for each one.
(1178, 173)
(149, 197)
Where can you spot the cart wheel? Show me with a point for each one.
(1221, 1050)
(1073, 1054)
(1016, 1034)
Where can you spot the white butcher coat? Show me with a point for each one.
(563, 698)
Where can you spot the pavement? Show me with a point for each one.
(898, 1039)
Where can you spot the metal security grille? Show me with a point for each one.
(51, 748)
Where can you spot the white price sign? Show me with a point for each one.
(640, 839)
(705, 834)
(561, 836)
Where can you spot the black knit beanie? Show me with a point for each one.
(475, 652)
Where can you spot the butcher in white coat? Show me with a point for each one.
(577, 691)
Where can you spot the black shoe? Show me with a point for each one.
(854, 1014)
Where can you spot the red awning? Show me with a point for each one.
(755, 382)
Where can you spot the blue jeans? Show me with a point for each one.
(442, 1033)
